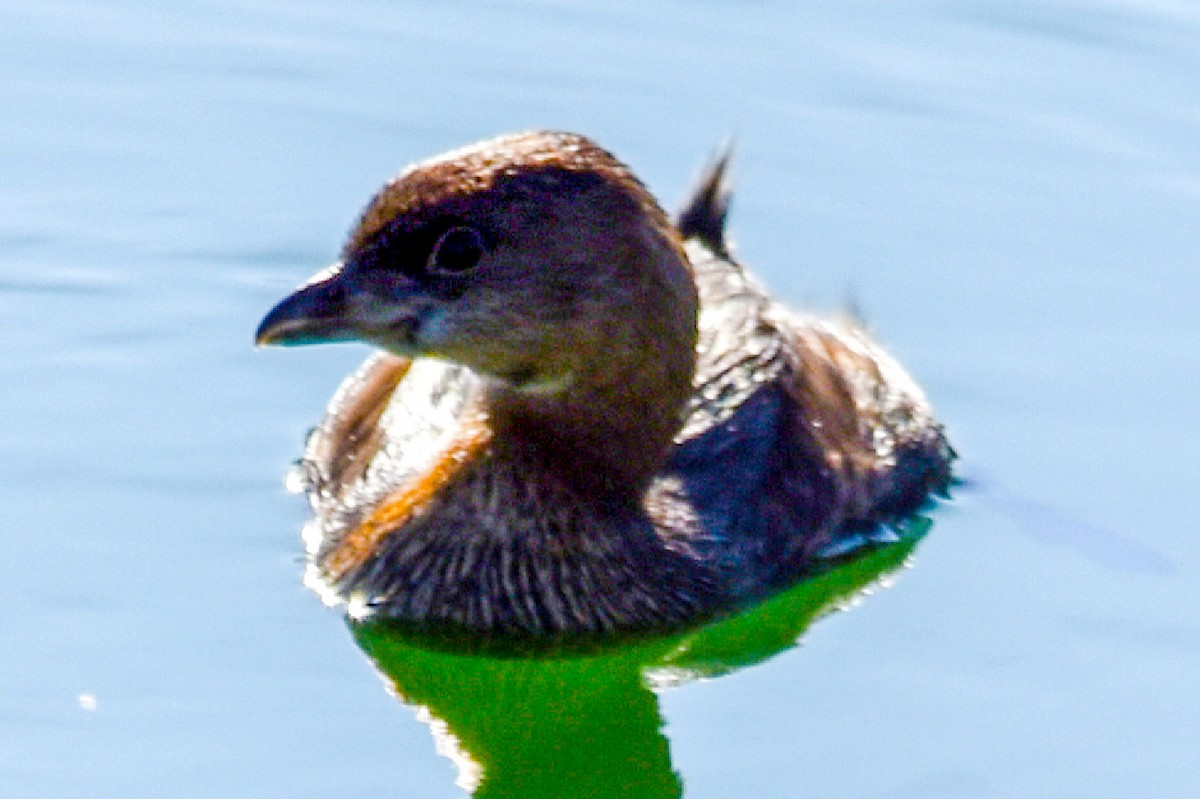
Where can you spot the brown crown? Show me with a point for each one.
(481, 168)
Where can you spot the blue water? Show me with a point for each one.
(1009, 191)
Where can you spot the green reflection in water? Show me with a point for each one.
(582, 719)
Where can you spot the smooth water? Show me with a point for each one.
(1009, 191)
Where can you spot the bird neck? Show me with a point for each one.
(608, 425)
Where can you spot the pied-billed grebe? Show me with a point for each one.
(584, 418)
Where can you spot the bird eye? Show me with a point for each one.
(457, 251)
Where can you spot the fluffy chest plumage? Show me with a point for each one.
(439, 522)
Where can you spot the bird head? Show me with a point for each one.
(537, 259)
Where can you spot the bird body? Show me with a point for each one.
(583, 418)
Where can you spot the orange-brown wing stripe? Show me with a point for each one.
(389, 515)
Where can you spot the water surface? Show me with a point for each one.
(1010, 192)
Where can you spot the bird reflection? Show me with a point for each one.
(581, 718)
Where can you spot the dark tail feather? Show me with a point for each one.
(703, 214)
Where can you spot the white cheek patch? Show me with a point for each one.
(437, 335)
